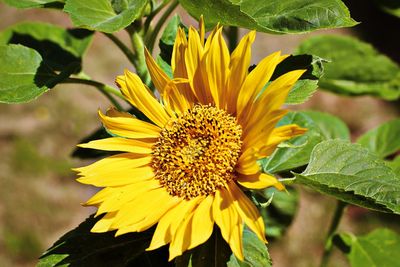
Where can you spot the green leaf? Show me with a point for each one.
(214, 252)
(104, 15)
(23, 75)
(80, 247)
(280, 213)
(383, 140)
(167, 39)
(356, 68)
(390, 6)
(164, 66)
(58, 47)
(296, 152)
(351, 173)
(378, 248)
(35, 3)
(308, 82)
(395, 165)
(255, 252)
(276, 16)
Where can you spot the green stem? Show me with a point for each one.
(152, 35)
(233, 35)
(140, 60)
(105, 89)
(332, 229)
(153, 14)
(128, 53)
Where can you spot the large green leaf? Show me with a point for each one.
(35, 3)
(80, 247)
(23, 75)
(296, 152)
(379, 248)
(275, 16)
(351, 173)
(356, 67)
(104, 15)
(58, 47)
(383, 140)
(395, 165)
(255, 252)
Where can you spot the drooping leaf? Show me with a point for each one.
(104, 15)
(80, 247)
(296, 152)
(23, 74)
(351, 173)
(383, 140)
(255, 252)
(378, 248)
(35, 3)
(58, 47)
(276, 16)
(279, 214)
(356, 68)
(214, 252)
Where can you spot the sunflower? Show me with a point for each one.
(184, 169)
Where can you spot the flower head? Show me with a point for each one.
(185, 170)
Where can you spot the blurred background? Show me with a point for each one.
(40, 199)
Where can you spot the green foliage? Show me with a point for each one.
(35, 3)
(284, 16)
(356, 68)
(383, 140)
(390, 6)
(104, 15)
(378, 248)
(80, 247)
(58, 47)
(351, 173)
(395, 165)
(296, 152)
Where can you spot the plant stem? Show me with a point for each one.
(152, 35)
(332, 229)
(153, 14)
(128, 53)
(233, 35)
(105, 89)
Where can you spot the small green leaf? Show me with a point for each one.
(390, 6)
(255, 252)
(58, 47)
(383, 140)
(167, 39)
(356, 68)
(378, 248)
(301, 91)
(296, 152)
(104, 15)
(80, 247)
(23, 76)
(351, 173)
(35, 3)
(276, 16)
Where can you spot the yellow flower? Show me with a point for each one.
(186, 169)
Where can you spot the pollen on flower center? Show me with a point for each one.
(197, 152)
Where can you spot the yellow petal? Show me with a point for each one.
(259, 181)
(137, 209)
(104, 224)
(166, 227)
(158, 76)
(202, 29)
(217, 67)
(142, 98)
(119, 177)
(178, 55)
(247, 162)
(256, 80)
(125, 194)
(239, 65)
(247, 211)
(100, 196)
(120, 144)
(228, 220)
